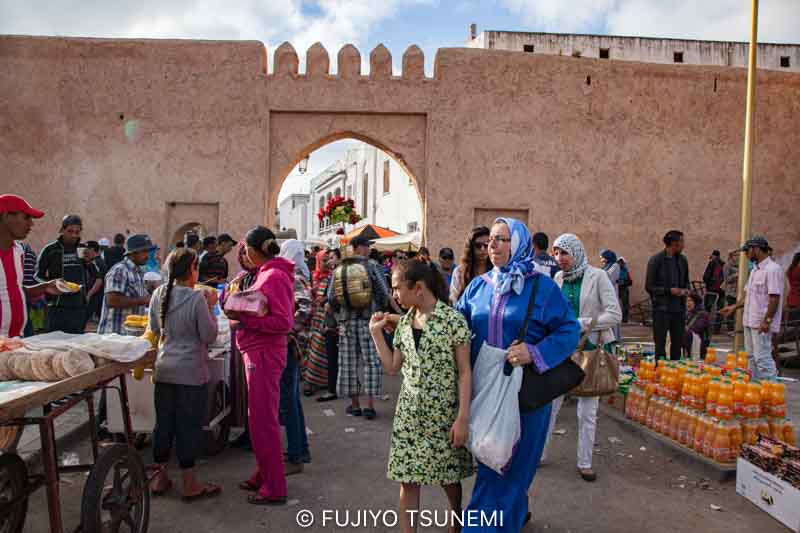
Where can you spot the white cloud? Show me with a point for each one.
(725, 20)
(332, 22)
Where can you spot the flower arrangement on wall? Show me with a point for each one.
(340, 209)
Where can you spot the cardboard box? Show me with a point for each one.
(771, 494)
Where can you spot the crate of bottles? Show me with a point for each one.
(709, 407)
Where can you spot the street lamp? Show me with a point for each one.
(302, 167)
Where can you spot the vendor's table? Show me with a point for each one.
(108, 502)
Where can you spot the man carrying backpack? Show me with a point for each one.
(714, 279)
(357, 290)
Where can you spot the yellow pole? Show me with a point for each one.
(747, 169)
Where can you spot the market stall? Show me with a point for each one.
(56, 372)
(409, 242)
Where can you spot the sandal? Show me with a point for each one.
(246, 485)
(261, 500)
(587, 474)
(353, 411)
(208, 491)
(369, 413)
(161, 492)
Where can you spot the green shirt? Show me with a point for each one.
(572, 292)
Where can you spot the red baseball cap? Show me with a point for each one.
(11, 203)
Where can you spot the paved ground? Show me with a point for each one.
(650, 490)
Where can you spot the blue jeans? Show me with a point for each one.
(291, 409)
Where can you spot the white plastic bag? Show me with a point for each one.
(494, 425)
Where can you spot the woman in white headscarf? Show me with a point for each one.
(592, 297)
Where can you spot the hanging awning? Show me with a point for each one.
(370, 231)
(408, 242)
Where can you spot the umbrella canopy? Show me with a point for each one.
(409, 242)
(370, 231)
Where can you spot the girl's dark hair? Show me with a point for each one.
(697, 299)
(337, 252)
(414, 270)
(263, 240)
(795, 262)
(179, 266)
(468, 260)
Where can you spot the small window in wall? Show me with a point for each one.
(338, 191)
(785, 62)
(527, 48)
(605, 53)
(677, 57)
(412, 227)
(386, 181)
(349, 191)
(322, 202)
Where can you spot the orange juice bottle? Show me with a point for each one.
(789, 435)
(763, 427)
(777, 397)
(662, 422)
(708, 438)
(721, 447)
(766, 389)
(725, 402)
(683, 426)
(749, 431)
(700, 432)
(751, 406)
(693, 417)
(711, 355)
(712, 397)
(741, 360)
(739, 391)
(775, 428)
(730, 361)
(651, 412)
(736, 438)
(687, 391)
(658, 411)
(677, 420)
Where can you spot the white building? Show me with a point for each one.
(293, 213)
(384, 194)
(645, 49)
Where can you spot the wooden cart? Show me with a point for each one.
(116, 496)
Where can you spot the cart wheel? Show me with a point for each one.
(216, 439)
(116, 496)
(13, 493)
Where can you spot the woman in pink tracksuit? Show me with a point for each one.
(263, 342)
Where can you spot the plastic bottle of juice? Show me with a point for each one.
(699, 432)
(751, 407)
(709, 437)
(736, 438)
(678, 414)
(711, 355)
(741, 360)
(721, 447)
(651, 411)
(655, 416)
(777, 396)
(739, 391)
(789, 435)
(683, 426)
(776, 427)
(687, 391)
(699, 392)
(766, 390)
(730, 361)
(691, 427)
(661, 420)
(712, 397)
(749, 431)
(763, 427)
(725, 402)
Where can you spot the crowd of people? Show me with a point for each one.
(424, 318)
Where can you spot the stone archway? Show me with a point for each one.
(294, 136)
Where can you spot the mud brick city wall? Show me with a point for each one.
(142, 134)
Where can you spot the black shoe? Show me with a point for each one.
(369, 413)
(353, 411)
(327, 397)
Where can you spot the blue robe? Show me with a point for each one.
(551, 337)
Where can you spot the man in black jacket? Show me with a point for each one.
(668, 286)
(116, 253)
(59, 259)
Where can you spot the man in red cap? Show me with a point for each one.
(16, 221)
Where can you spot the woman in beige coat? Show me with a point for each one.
(593, 298)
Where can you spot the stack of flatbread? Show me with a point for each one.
(43, 365)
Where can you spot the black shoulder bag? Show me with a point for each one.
(540, 389)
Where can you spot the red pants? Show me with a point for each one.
(263, 368)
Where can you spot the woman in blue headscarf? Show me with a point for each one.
(494, 305)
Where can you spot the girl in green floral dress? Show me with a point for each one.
(431, 348)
